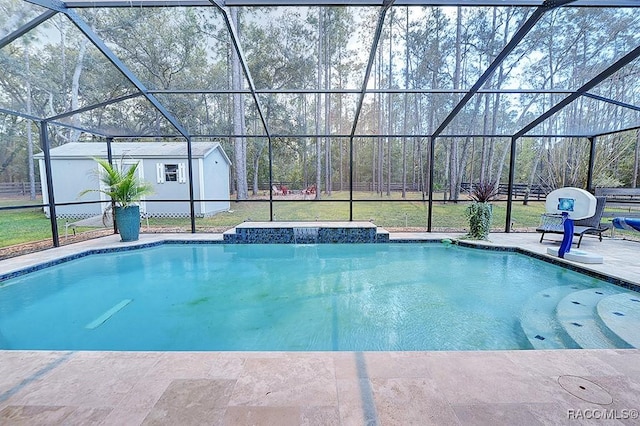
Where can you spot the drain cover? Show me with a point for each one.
(585, 389)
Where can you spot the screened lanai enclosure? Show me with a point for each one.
(389, 111)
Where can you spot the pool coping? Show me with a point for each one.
(165, 239)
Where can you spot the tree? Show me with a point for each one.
(320, 69)
(240, 144)
(454, 187)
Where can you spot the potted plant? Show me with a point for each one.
(125, 190)
(480, 211)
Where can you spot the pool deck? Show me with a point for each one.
(326, 388)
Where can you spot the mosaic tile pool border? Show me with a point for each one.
(461, 243)
(308, 235)
(65, 259)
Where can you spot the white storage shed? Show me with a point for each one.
(164, 164)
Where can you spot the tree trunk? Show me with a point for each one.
(432, 125)
(503, 158)
(453, 157)
(256, 159)
(240, 143)
(339, 109)
(327, 113)
(532, 175)
(32, 169)
(380, 169)
(75, 89)
(256, 165)
(319, 104)
(484, 156)
(405, 121)
(305, 171)
(63, 66)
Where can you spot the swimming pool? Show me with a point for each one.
(351, 297)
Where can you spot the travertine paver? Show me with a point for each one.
(323, 388)
(491, 387)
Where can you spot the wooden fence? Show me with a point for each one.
(624, 201)
(534, 192)
(17, 188)
(537, 192)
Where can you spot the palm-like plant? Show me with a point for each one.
(125, 189)
(122, 186)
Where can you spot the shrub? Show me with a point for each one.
(483, 192)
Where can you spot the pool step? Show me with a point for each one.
(620, 314)
(577, 314)
(539, 323)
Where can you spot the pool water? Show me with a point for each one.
(351, 297)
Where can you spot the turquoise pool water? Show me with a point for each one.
(280, 297)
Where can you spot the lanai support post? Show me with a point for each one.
(432, 145)
(109, 141)
(592, 161)
(351, 179)
(270, 147)
(512, 174)
(192, 204)
(44, 144)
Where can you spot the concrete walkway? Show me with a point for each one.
(326, 388)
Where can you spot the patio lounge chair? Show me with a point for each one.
(552, 224)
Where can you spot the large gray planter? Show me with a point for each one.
(128, 222)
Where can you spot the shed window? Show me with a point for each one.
(170, 172)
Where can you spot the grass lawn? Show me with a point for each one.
(30, 224)
(400, 214)
(27, 224)
(19, 226)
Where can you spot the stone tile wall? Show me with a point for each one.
(305, 235)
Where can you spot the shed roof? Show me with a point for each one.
(136, 150)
